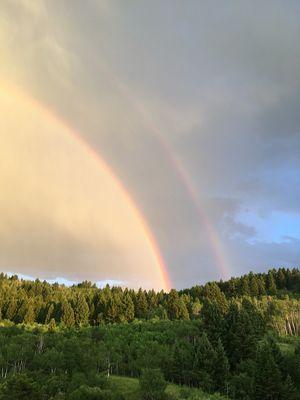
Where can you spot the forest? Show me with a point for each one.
(237, 339)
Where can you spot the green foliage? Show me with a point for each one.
(29, 302)
(242, 387)
(152, 384)
(221, 369)
(289, 391)
(81, 310)
(91, 393)
(67, 315)
(267, 374)
(220, 337)
(19, 387)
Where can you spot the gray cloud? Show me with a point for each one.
(218, 84)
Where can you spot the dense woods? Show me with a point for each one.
(239, 338)
(275, 294)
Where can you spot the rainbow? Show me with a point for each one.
(182, 174)
(50, 114)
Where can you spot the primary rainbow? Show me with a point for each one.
(50, 114)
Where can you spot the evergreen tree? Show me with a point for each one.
(204, 362)
(267, 375)
(271, 285)
(81, 310)
(261, 285)
(141, 305)
(281, 279)
(253, 285)
(29, 316)
(11, 310)
(242, 387)
(213, 319)
(176, 306)
(67, 315)
(221, 369)
(245, 290)
(128, 308)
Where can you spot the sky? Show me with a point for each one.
(152, 144)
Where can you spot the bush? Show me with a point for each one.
(91, 393)
(152, 384)
(19, 387)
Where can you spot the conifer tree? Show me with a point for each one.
(221, 369)
(81, 310)
(267, 374)
(253, 285)
(271, 285)
(11, 310)
(29, 316)
(128, 308)
(141, 306)
(67, 315)
(205, 357)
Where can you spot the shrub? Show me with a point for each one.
(152, 384)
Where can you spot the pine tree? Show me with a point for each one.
(21, 312)
(242, 387)
(141, 305)
(245, 290)
(67, 315)
(261, 285)
(128, 308)
(253, 285)
(204, 362)
(271, 285)
(81, 310)
(11, 310)
(281, 279)
(212, 292)
(112, 310)
(213, 319)
(29, 316)
(221, 369)
(267, 374)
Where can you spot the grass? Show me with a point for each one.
(129, 388)
(288, 345)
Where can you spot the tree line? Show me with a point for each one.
(23, 301)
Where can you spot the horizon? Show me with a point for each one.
(116, 284)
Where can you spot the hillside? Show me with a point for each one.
(82, 342)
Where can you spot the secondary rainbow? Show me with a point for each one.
(182, 174)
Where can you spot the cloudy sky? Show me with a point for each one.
(146, 141)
